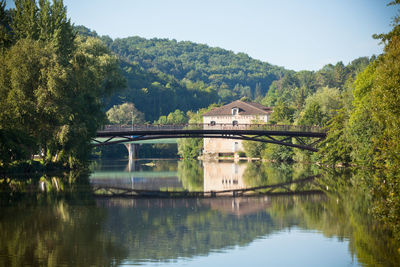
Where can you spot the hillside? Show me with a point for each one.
(164, 75)
(232, 75)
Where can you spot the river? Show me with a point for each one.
(72, 220)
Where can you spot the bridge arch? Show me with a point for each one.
(273, 134)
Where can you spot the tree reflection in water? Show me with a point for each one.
(72, 227)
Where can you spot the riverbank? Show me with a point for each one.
(31, 167)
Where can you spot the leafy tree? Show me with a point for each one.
(361, 126)
(283, 113)
(53, 84)
(5, 31)
(368, 134)
(15, 145)
(312, 115)
(189, 148)
(176, 117)
(278, 153)
(125, 114)
(253, 149)
(335, 148)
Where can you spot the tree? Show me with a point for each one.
(52, 84)
(176, 117)
(335, 149)
(278, 153)
(125, 113)
(312, 115)
(189, 148)
(5, 20)
(253, 149)
(369, 133)
(282, 113)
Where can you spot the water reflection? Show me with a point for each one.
(70, 226)
(118, 231)
(195, 176)
(220, 176)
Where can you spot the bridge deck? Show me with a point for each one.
(286, 130)
(275, 134)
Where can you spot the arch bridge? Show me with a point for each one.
(307, 137)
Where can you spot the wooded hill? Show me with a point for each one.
(164, 75)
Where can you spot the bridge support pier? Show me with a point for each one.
(132, 165)
(132, 150)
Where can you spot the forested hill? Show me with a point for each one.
(164, 75)
(231, 74)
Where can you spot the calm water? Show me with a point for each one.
(69, 225)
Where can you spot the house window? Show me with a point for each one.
(212, 123)
(235, 111)
(235, 123)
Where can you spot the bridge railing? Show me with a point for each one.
(217, 126)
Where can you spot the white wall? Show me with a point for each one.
(216, 145)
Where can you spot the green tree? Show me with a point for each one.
(52, 84)
(278, 153)
(283, 113)
(189, 148)
(368, 134)
(312, 115)
(335, 149)
(253, 149)
(125, 114)
(5, 31)
(176, 117)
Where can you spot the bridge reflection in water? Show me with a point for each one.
(201, 179)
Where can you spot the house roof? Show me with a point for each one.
(245, 108)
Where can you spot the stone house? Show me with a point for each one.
(236, 114)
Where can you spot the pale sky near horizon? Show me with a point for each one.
(295, 34)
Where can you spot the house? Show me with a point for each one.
(235, 114)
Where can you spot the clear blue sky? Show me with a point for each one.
(296, 34)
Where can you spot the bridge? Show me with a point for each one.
(307, 137)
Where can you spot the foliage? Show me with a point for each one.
(276, 152)
(15, 145)
(52, 84)
(320, 107)
(125, 114)
(5, 30)
(367, 133)
(335, 149)
(386, 146)
(191, 76)
(176, 117)
(196, 63)
(190, 148)
(283, 113)
(253, 149)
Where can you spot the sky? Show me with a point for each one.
(295, 34)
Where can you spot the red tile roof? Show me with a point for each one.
(245, 108)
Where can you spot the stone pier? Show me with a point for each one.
(132, 149)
